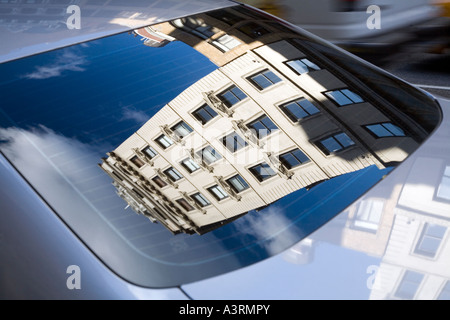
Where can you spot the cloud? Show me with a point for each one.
(129, 113)
(67, 61)
(271, 228)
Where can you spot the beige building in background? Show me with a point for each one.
(269, 121)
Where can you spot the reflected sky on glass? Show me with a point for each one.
(62, 111)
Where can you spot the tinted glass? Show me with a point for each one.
(95, 102)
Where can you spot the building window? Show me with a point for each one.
(218, 192)
(181, 129)
(232, 96)
(299, 109)
(209, 155)
(225, 16)
(445, 293)
(385, 129)
(293, 158)
(253, 30)
(150, 152)
(368, 215)
(200, 199)
(335, 143)
(344, 97)
(237, 183)
(443, 191)
(409, 284)
(204, 114)
(137, 161)
(226, 43)
(430, 240)
(262, 127)
(264, 79)
(185, 205)
(159, 182)
(262, 171)
(190, 165)
(173, 174)
(233, 142)
(301, 66)
(164, 141)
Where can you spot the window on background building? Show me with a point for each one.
(263, 126)
(200, 199)
(344, 97)
(368, 215)
(159, 182)
(443, 191)
(233, 142)
(181, 129)
(302, 66)
(335, 143)
(293, 158)
(409, 284)
(164, 141)
(173, 174)
(150, 152)
(385, 129)
(264, 79)
(185, 204)
(226, 43)
(237, 183)
(204, 114)
(209, 155)
(262, 171)
(430, 240)
(231, 96)
(190, 165)
(218, 192)
(299, 109)
(445, 292)
(137, 161)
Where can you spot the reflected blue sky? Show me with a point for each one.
(62, 111)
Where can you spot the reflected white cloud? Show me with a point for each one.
(266, 227)
(67, 61)
(129, 113)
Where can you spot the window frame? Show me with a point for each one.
(259, 120)
(241, 180)
(335, 101)
(202, 205)
(171, 177)
(187, 168)
(135, 159)
(157, 177)
(300, 60)
(201, 152)
(204, 107)
(291, 116)
(375, 135)
(215, 195)
(326, 151)
(187, 206)
(300, 163)
(183, 124)
(263, 73)
(236, 141)
(148, 154)
(165, 137)
(230, 89)
(259, 177)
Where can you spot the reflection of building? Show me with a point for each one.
(153, 38)
(271, 120)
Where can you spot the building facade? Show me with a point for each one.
(272, 119)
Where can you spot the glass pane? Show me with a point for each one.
(269, 124)
(311, 65)
(331, 145)
(308, 106)
(238, 93)
(396, 131)
(353, 96)
(229, 98)
(436, 231)
(379, 130)
(150, 152)
(182, 129)
(444, 189)
(272, 76)
(298, 66)
(340, 98)
(289, 161)
(300, 156)
(261, 81)
(344, 139)
(237, 183)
